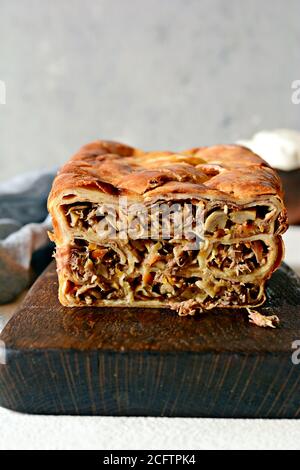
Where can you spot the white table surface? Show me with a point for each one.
(20, 431)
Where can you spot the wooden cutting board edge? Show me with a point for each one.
(147, 363)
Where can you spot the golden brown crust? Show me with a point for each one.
(224, 171)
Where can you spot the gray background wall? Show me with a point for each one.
(154, 73)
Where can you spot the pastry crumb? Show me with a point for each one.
(263, 321)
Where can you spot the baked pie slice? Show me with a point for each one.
(192, 230)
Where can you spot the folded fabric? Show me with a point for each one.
(24, 245)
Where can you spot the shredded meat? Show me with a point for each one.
(242, 257)
(146, 269)
(187, 307)
(271, 321)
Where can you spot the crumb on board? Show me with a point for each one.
(271, 321)
(189, 307)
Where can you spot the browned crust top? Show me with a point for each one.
(225, 171)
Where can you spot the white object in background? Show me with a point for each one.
(292, 253)
(280, 148)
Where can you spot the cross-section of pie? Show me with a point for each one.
(191, 230)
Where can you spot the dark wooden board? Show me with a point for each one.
(149, 362)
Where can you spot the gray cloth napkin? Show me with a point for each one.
(24, 245)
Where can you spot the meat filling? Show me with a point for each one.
(221, 221)
(146, 269)
(241, 258)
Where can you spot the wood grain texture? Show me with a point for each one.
(150, 362)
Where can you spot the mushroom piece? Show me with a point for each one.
(239, 217)
(215, 220)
